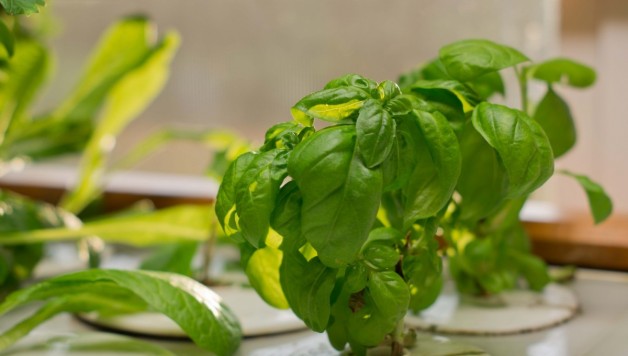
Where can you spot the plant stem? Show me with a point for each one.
(396, 347)
(523, 88)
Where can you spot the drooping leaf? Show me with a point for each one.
(225, 200)
(375, 131)
(468, 59)
(307, 284)
(521, 144)
(599, 202)
(262, 269)
(195, 308)
(555, 118)
(256, 191)
(175, 224)
(483, 182)
(338, 189)
(333, 105)
(22, 7)
(436, 167)
(127, 99)
(563, 71)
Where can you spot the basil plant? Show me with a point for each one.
(507, 153)
(339, 223)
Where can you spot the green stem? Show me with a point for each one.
(523, 88)
(396, 348)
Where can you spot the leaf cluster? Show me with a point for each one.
(339, 223)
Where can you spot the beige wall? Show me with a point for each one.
(244, 63)
(596, 32)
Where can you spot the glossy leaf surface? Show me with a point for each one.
(563, 71)
(554, 116)
(521, 144)
(333, 105)
(436, 167)
(599, 202)
(468, 59)
(195, 308)
(375, 131)
(338, 189)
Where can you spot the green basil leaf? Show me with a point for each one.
(422, 269)
(467, 97)
(388, 90)
(436, 167)
(286, 217)
(533, 269)
(483, 182)
(521, 144)
(599, 201)
(488, 85)
(22, 7)
(256, 191)
(432, 70)
(307, 286)
(6, 39)
(380, 256)
(195, 308)
(337, 190)
(284, 135)
(563, 71)
(424, 276)
(262, 269)
(333, 105)
(478, 256)
(375, 131)
(385, 302)
(554, 116)
(225, 200)
(356, 81)
(468, 59)
(356, 277)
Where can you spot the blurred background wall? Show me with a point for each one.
(244, 63)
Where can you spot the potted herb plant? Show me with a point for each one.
(488, 247)
(338, 223)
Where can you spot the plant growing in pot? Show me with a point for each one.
(307, 209)
(339, 223)
(488, 248)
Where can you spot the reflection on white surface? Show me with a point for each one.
(517, 311)
(554, 344)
